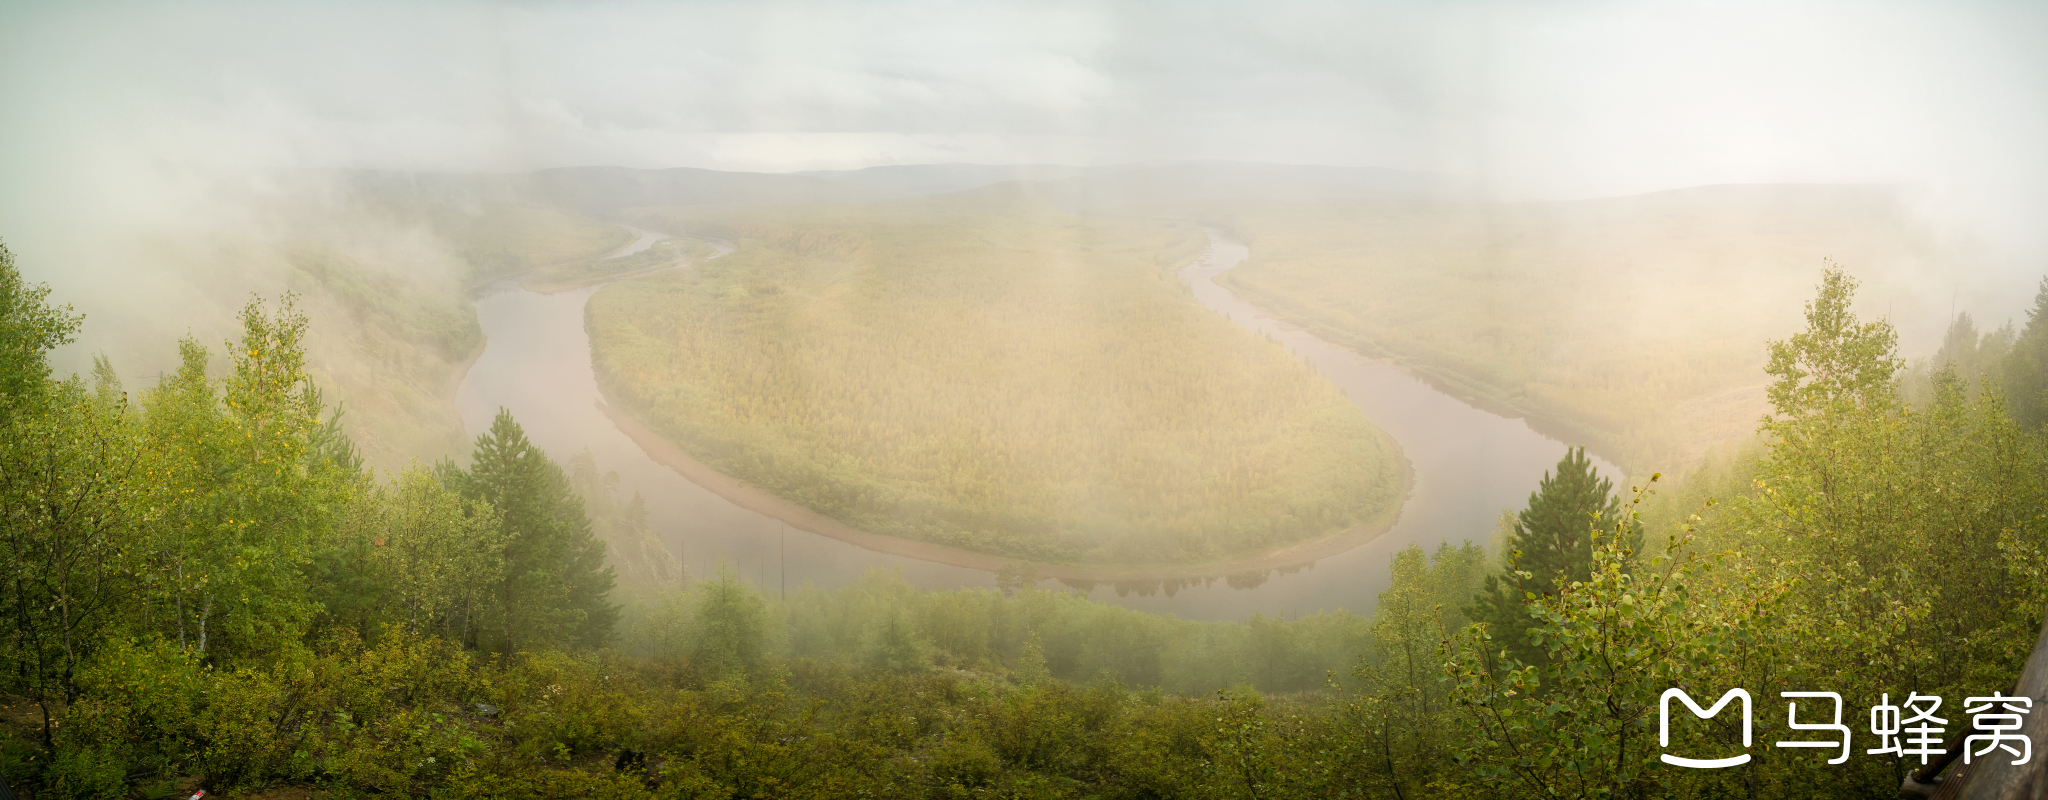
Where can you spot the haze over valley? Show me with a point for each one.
(1091, 400)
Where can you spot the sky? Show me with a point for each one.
(122, 120)
(134, 110)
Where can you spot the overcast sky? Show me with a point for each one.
(1527, 98)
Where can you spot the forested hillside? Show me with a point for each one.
(389, 276)
(204, 588)
(993, 374)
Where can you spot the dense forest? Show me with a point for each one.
(204, 587)
(992, 374)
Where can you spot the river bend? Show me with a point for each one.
(1468, 464)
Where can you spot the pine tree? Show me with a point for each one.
(1977, 359)
(894, 645)
(731, 633)
(1031, 667)
(1959, 349)
(1551, 545)
(556, 584)
(2026, 367)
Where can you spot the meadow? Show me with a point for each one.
(988, 373)
(1634, 325)
(206, 589)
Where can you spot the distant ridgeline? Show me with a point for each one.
(900, 342)
(386, 260)
(988, 372)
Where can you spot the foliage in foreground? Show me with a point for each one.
(1873, 549)
(201, 582)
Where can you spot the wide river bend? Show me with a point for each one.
(1468, 464)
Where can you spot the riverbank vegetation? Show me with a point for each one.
(1000, 377)
(1633, 324)
(390, 277)
(204, 588)
(395, 277)
(494, 240)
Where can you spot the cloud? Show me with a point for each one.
(1530, 99)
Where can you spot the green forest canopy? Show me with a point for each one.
(389, 278)
(204, 588)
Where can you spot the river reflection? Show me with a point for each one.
(1468, 464)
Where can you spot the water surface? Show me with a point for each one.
(1469, 464)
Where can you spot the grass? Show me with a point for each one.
(993, 375)
(1634, 325)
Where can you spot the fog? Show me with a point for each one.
(127, 123)
(1532, 98)
(1004, 398)
(146, 113)
(132, 125)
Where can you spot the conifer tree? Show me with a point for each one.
(556, 584)
(732, 627)
(1031, 667)
(2026, 367)
(894, 645)
(1550, 546)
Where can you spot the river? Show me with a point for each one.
(1468, 464)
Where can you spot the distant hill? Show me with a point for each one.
(914, 179)
(605, 191)
(1180, 187)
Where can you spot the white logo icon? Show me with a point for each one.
(1664, 727)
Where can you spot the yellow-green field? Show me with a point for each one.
(994, 375)
(1635, 325)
